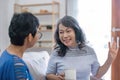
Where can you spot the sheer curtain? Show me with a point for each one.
(94, 16)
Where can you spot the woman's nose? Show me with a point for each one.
(65, 34)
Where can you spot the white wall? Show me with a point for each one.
(6, 7)
(72, 9)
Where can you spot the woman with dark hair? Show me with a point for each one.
(23, 33)
(71, 51)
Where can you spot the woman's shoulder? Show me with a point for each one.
(6, 57)
(55, 52)
(89, 49)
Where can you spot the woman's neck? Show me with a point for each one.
(16, 50)
(73, 47)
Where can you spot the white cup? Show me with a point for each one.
(70, 74)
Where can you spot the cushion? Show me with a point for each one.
(37, 63)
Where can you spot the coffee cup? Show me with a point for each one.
(70, 74)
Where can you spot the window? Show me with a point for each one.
(94, 17)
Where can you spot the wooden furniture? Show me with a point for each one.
(48, 14)
(116, 24)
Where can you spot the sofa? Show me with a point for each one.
(37, 63)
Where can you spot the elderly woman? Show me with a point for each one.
(72, 52)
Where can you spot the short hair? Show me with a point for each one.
(20, 26)
(71, 22)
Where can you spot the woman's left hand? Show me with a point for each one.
(113, 50)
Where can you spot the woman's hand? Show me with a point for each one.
(61, 76)
(94, 78)
(55, 77)
(113, 50)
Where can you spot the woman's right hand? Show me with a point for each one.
(61, 76)
(55, 77)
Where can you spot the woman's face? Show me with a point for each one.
(67, 36)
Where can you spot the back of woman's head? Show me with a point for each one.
(71, 22)
(21, 25)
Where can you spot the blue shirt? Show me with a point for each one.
(83, 60)
(13, 68)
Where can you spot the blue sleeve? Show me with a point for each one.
(21, 70)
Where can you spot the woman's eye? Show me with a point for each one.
(69, 31)
(60, 32)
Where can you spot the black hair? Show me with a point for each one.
(21, 25)
(71, 22)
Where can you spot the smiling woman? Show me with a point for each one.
(72, 47)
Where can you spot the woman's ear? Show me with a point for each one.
(30, 37)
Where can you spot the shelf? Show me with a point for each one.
(42, 47)
(46, 30)
(48, 13)
(42, 4)
(38, 49)
(44, 41)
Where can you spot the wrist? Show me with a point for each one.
(109, 60)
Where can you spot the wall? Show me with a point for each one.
(6, 7)
(72, 9)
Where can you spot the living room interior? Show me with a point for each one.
(96, 18)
